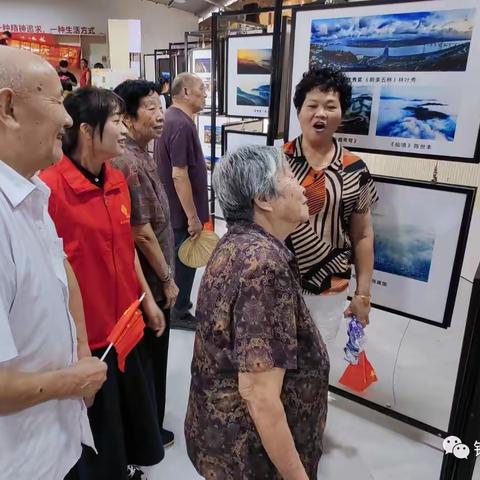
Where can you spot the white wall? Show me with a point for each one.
(160, 25)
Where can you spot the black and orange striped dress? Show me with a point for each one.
(322, 246)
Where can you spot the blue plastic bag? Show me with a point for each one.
(356, 341)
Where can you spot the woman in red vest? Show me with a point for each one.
(86, 74)
(90, 205)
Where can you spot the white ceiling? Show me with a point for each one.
(198, 7)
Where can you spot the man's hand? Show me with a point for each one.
(170, 290)
(155, 317)
(88, 376)
(360, 308)
(194, 226)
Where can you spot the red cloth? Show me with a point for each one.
(95, 226)
(127, 333)
(359, 377)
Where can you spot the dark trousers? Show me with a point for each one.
(124, 421)
(184, 276)
(157, 350)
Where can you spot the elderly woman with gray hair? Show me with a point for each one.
(258, 395)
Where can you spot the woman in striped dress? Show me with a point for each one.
(340, 193)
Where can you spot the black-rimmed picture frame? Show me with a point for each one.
(411, 98)
(200, 64)
(421, 230)
(248, 76)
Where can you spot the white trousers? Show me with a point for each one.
(327, 313)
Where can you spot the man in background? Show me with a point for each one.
(46, 369)
(68, 79)
(165, 98)
(184, 173)
(5, 38)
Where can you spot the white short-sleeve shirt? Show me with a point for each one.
(37, 333)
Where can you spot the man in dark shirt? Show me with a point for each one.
(184, 173)
(67, 78)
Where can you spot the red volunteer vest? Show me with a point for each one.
(94, 224)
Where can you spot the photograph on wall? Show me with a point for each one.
(249, 69)
(251, 93)
(254, 61)
(200, 63)
(205, 134)
(414, 69)
(357, 118)
(400, 42)
(419, 251)
(422, 113)
(207, 138)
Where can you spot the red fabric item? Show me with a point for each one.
(210, 225)
(127, 333)
(94, 224)
(359, 377)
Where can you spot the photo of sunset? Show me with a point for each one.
(254, 61)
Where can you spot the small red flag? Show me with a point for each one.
(210, 224)
(127, 332)
(359, 377)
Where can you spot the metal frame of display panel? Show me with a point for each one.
(465, 418)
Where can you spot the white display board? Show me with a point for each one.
(205, 133)
(201, 65)
(414, 69)
(249, 68)
(420, 230)
(235, 139)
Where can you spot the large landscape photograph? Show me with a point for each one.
(423, 113)
(404, 42)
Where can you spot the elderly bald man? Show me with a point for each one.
(43, 420)
(184, 174)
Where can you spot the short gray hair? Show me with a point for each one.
(181, 81)
(246, 174)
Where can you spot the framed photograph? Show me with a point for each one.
(414, 67)
(235, 139)
(249, 68)
(201, 62)
(205, 133)
(421, 231)
(201, 65)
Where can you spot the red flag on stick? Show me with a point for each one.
(359, 377)
(127, 333)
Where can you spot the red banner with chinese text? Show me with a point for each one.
(52, 53)
(46, 38)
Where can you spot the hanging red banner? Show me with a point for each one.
(45, 38)
(52, 53)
